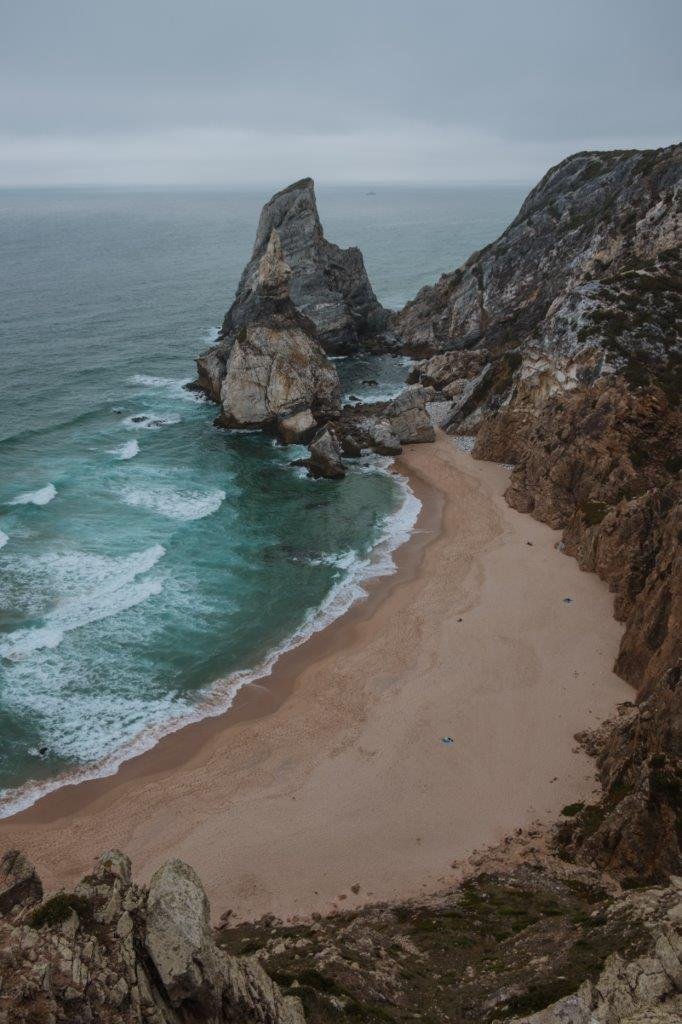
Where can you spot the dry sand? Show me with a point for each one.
(334, 774)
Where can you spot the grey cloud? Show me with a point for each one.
(493, 89)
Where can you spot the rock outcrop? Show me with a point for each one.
(514, 942)
(559, 346)
(325, 455)
(409, 419)
(633, 831)
(115, 953)
(276, 375)
(644, 989)
(589, 217)
(329, 286)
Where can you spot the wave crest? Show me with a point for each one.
(40, 497)
(109, 586)
(183, 505)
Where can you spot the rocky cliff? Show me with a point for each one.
(559, 347)
(329, 285)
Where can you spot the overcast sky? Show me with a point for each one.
(216, 92)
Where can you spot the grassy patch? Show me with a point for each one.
(58, 909)
(593, 512)
(570, 810)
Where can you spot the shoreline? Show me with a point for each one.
(339, 757)
(220, 698)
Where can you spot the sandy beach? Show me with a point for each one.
(330, 783)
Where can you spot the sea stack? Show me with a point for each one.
(329, 285)
(276, 374)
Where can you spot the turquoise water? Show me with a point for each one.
(149, 566)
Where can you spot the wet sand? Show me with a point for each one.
(331, 774)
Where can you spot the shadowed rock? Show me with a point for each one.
(325, 455)
(328, 284)
(111, 952)
(277, 375)
(19, 883)
(409, 419)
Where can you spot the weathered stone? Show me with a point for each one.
(296, 427)
(408, 418)
(468, 397)
(325, 455)
(178, 937)
(328, 285)
(275, 364)
(19, 883)
(382, 438)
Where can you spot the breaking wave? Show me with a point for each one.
(40, 497)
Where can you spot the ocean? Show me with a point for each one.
(151, 564)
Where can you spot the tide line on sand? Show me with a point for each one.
(348, 589)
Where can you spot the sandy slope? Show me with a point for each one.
(335, 774)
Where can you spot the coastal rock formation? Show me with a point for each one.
(328, 286)
(325, 455)
(408, 418)
(276, 375)
(541, 941)
(644, 990)
(559, 347)
(587, 219)
(115, 953)
(634, 832)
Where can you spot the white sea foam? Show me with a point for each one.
(3, 538)
(147, 381)
(380, 393)
(173, 714)
(108, 586)
(40, 497)
(150, 421)
(126, 451)
(185, 505)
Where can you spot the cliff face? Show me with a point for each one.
(328, 284)
(560, 347)
(591, 214)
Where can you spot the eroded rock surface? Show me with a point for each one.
(115, 953)
(326, 455)
(559, 347)
(276, 375)
(329, 285)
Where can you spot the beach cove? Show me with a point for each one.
(330, 778)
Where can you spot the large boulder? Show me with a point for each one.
(325, 455)
(328, 284)
(409, 418)
(277, 375)
(199, 981)
(179, 938)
